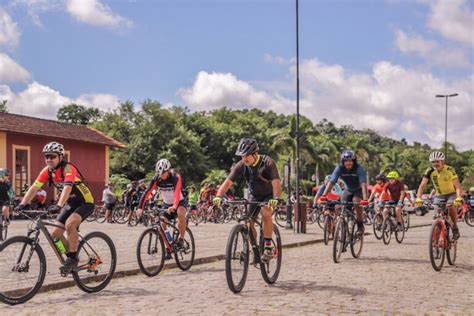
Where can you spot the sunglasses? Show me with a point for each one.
(50, 157)
(436, 161)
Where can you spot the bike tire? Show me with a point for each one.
(86, 254)
(400, 235)
(378, 225)
(100, 215)
(120, 215)
(386, 231)
(406, 220)
(436, 250)
(339, 240)
(280, 218)
(327, 228)
(451, 251)
(243, 257)
(12, 297)
(264, 266)
(320, 219)
(469, 218)
(190, 248)
(356, 250)
(3, 231)
(150, 243)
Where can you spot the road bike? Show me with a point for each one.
(346, 233)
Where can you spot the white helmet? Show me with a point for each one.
(436, 155)
(53, 147)
(162, 165)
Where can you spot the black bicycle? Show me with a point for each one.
(237, 256)
(23, 263)
(390, 226)
(346, 233)
(154, 246)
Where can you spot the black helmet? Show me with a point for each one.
(246, 146)
(380, 176)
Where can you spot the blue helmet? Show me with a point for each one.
(348, 155)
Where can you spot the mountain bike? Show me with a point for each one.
(346, 233)
(154, 246)
(241, 238)
(390, 225)
(23, 262)
(441, 241)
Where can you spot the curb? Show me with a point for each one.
(172, 265)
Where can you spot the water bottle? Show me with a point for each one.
(168, 235)
(59, 244)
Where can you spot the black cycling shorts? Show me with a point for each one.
(84, 210)
(174, 215)
(254, 209)
(347, 196)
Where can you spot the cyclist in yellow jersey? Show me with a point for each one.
(446, 184)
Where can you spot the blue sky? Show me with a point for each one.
(358, 58)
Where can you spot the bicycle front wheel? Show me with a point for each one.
(406, 220)
(357, 241)
(436, 246)
(378, 222)
(150, 252)
(271, 269)
(339, 240)
(97, 261)
(22, 270)
(328, 228)
(237, 258)
(469, 218)
(386, 231)
(3, 230)
(451, 250)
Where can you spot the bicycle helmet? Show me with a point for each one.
(393, 175)
(436, 155)
(4, 172)
(247, 146)
(162, 165)
(380, 176)
(53, 147)
(348, 155)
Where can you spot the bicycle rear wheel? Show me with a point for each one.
(97, 261)
(436, 246)
(22, 270)
(357, 241)
(339, 240)
(386, 230)
(271, 269)
(469, 218)
(237, 258)
(150, 252)
(120, 215)
(184, 256)
(100, 214)
(378, 222)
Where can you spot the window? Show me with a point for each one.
(21, 171)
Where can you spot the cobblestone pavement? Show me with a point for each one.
(394, 279)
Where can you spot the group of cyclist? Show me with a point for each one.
(260, 173)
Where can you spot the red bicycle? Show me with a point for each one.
(441, 242)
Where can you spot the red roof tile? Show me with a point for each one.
(41, 127)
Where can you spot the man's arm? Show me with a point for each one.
(364, 190)
(458, 187)
(276, 184)
(29, 195)
(225, 186)
(65, 193)
(422, 187)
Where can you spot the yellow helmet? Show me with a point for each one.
(393, 175)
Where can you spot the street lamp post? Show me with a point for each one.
(446, 96)
(297, 169)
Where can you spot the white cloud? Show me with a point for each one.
(431, 51)
(453, 19)
(38, 100)
(37, 7)
(95, 13)
(9, 33)
(10, 71)
(391, 99)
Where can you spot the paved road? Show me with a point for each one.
(394, 279)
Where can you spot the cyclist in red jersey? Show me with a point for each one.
(75, 204)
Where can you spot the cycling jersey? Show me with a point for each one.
(442, 180)
(395, 190)
(66, 174)
(352, 178)
(171, 189)
(378, 189)
(259, 176)
(5, 190)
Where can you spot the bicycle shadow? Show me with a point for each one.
(311, 286)
(388, 259)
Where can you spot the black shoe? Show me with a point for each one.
(456, 234)
(69, 265)
(180, 244)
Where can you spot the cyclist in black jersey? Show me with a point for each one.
(263, 181)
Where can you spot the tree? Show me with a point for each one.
(3, 106)
(78, 114)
